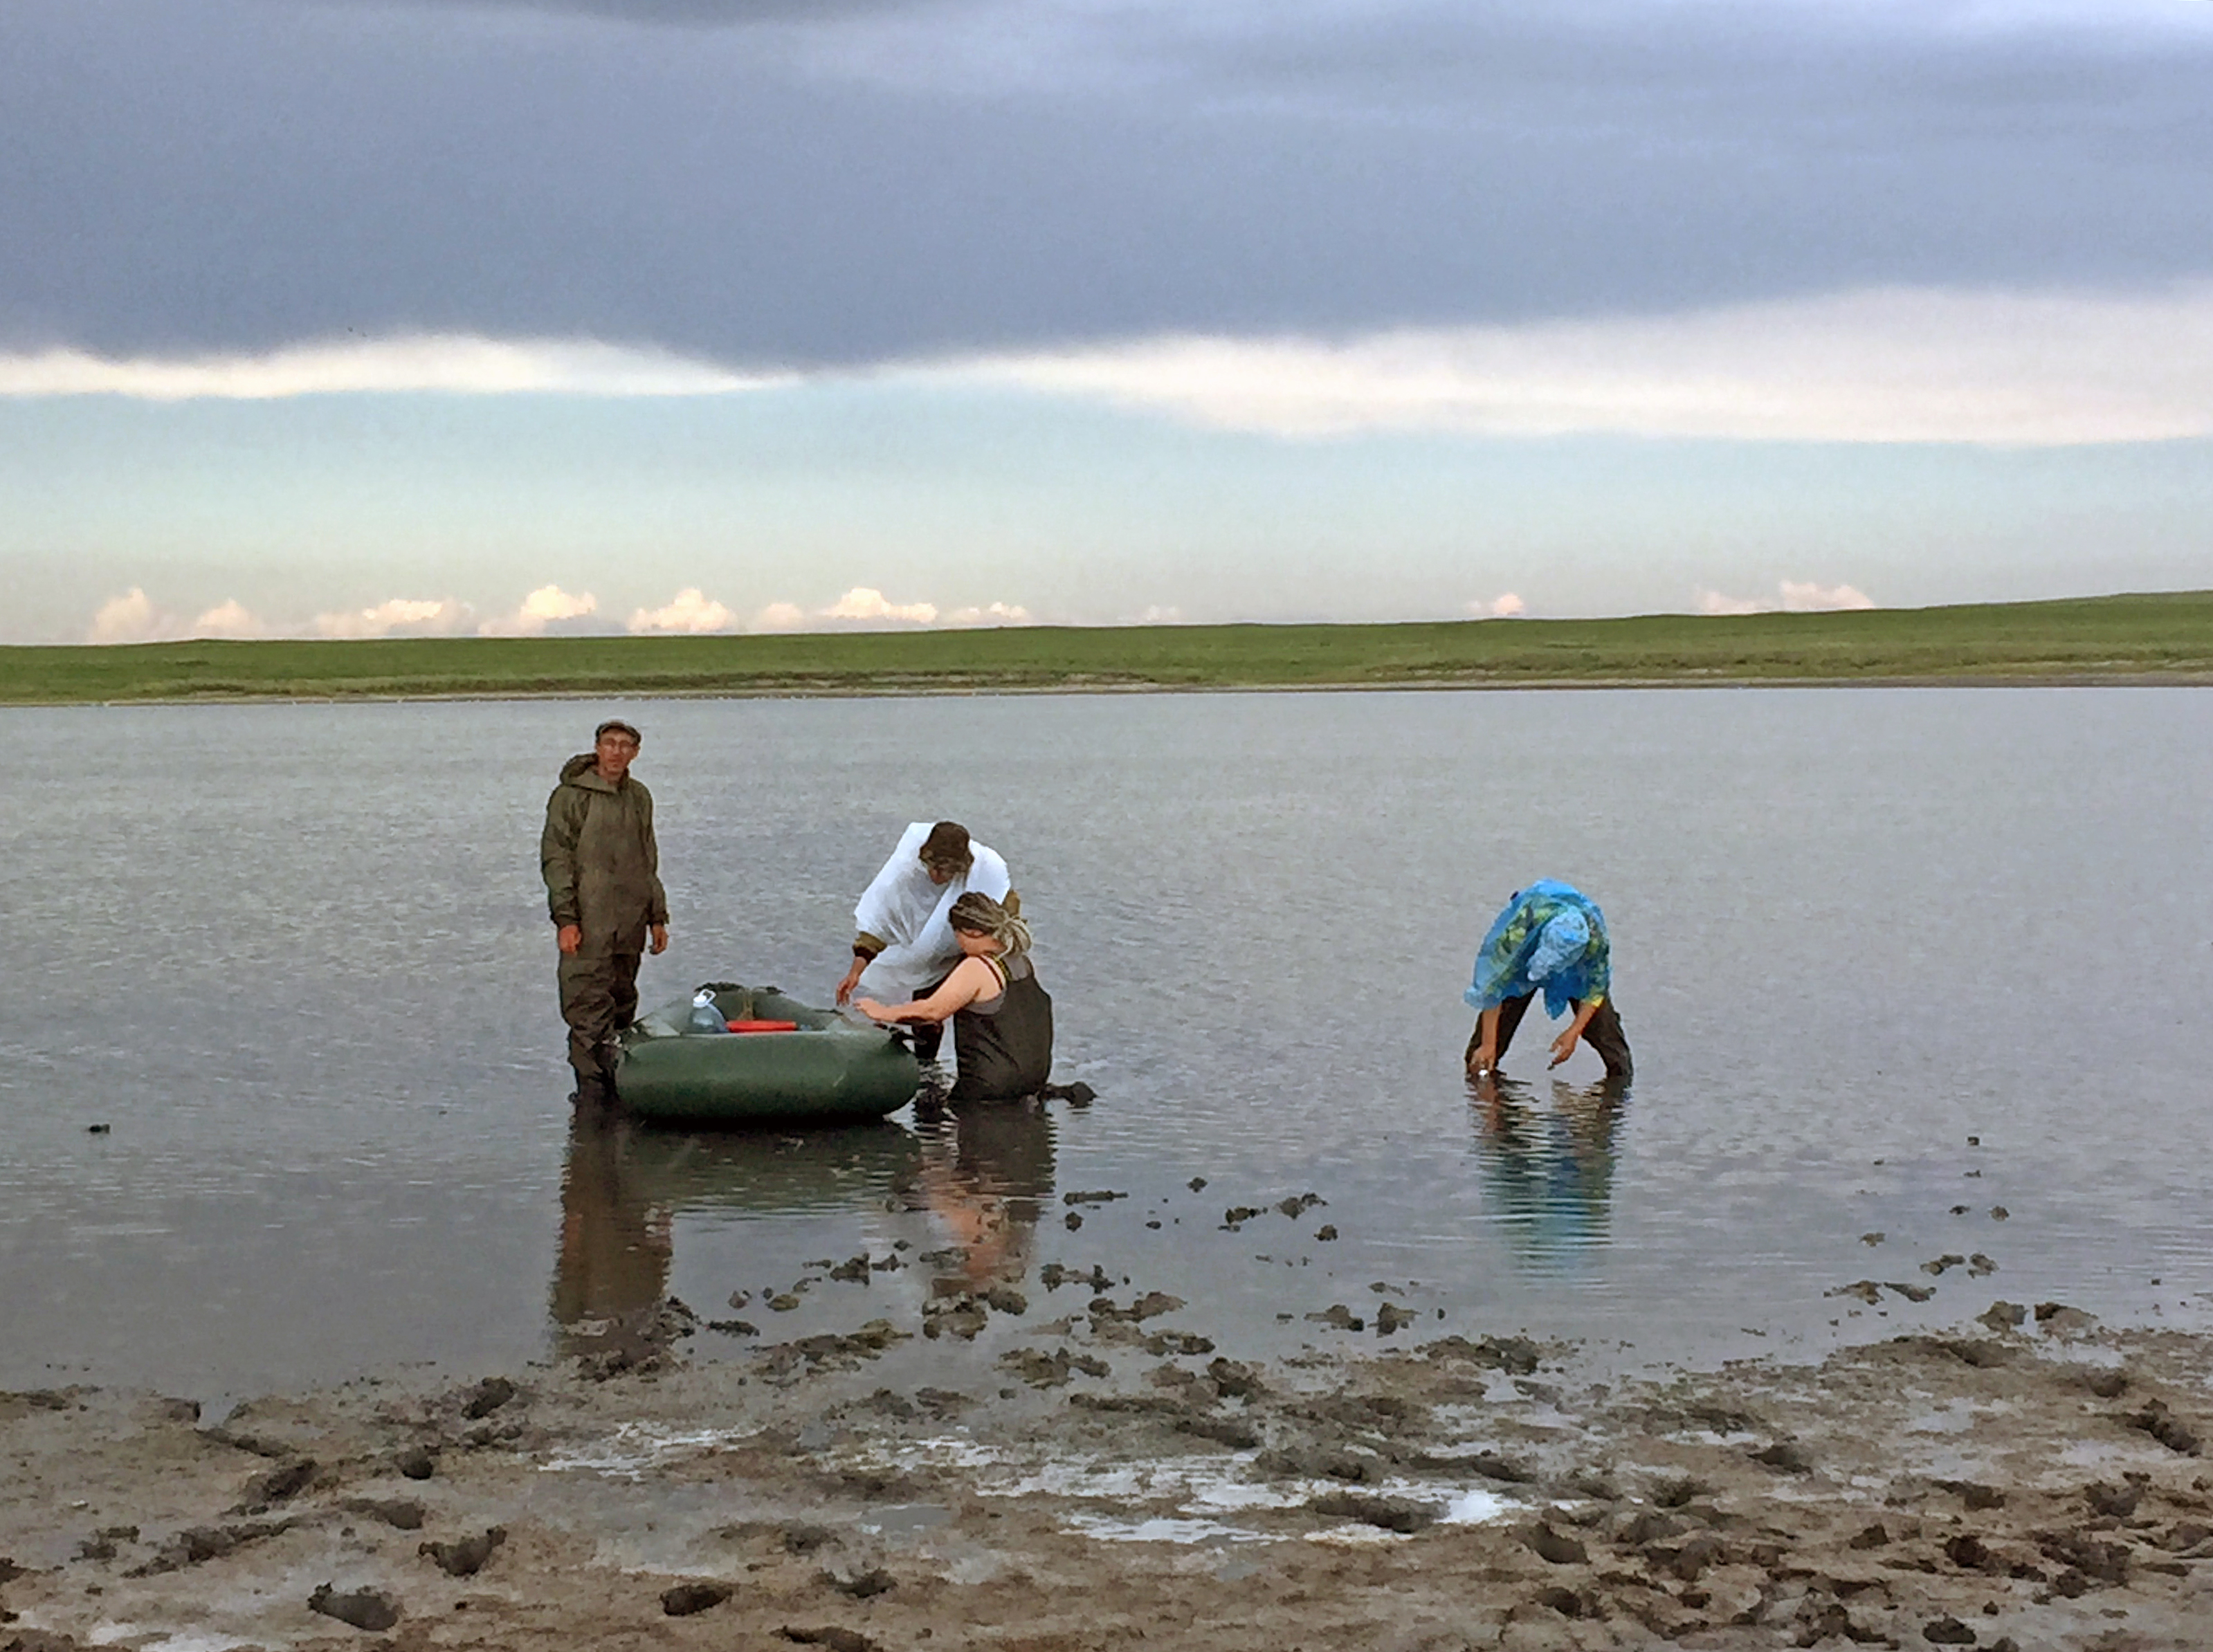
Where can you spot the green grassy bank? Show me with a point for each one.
(2167, 636)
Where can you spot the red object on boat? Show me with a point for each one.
(763, 1026)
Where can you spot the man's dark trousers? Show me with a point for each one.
(599, 998)
(1604, 1034)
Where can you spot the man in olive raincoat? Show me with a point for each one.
(603, 888)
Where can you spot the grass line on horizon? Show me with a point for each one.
(2166, 636)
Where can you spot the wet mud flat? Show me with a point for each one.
(1104, 1480)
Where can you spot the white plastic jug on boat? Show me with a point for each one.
(705, 1017)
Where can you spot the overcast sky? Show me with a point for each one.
(350, 316)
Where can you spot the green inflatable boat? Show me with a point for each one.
(784, 1063)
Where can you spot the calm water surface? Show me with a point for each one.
(295, 957)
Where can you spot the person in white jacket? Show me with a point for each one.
(903, 941)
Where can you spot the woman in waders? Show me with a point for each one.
(1001, 1018)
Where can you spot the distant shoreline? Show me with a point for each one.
(2141, 641)
(1596, 685)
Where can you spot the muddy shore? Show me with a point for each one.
(1076, 1467)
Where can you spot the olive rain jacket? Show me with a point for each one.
(603, 869)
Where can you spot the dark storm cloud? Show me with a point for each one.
(235, 174)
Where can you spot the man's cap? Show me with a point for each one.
(616, 726)
(945, 849)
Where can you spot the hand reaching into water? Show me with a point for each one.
(1564, 1045)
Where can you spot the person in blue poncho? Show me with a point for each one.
(1551, 937)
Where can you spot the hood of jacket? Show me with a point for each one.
(583, 769)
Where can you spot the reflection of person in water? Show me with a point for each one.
(613, 1272)
(1002, 1017)
(986, 1173)
(1550, 1171)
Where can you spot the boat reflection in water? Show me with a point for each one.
(625, 1183)
(986, 1176)
(1548, 1169)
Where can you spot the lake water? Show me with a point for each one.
(296, 958)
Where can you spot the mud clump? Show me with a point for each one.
(401, 1514)
(363, 1609)
(1234, 1432)
(1053, 1370)
(196, 1545)
(487, 1397)
(2099, 1562)
(417, 1463)
(1052, 1276)
(1151, 1305)
(40, 1640)
(2156, 1421)
(830, 1636)
(1785, 1456)
(1178, 1344)
(1974, 1494)
(1516, 1356)
(466, 1558)
(1313, 1462)
(2114, 1502)
(1338, 1316)
(864, 1586)
(690, 1600)
(847, 1352)
(278, 1486)
(1386, 1514)
(1233, 1380)
(1556, 1548)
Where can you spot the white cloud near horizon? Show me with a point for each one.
(230, 620)
(780, 616)
(133, 618)
(441, 363)
(864, 604)
(1889, 365)
(1793, 597)
(400, 617)
(998, 613)
(690, 612)
(549, 604)
(1506, 605)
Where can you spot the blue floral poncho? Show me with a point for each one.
(1551, 935)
